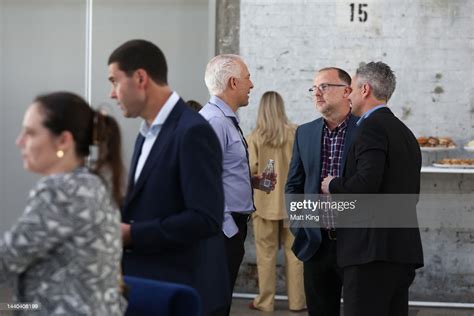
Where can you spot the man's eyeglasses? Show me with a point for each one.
(324, 87)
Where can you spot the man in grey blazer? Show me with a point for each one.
(320, 149)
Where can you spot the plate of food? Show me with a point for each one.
(469, 146)
(455, 163)
(436, 143)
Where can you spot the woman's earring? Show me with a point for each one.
(60, 153)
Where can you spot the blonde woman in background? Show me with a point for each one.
(273, 139)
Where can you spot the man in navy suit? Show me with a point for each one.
(319, 150)
(173, 211)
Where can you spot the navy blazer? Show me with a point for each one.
(304, 176)
(176, 209)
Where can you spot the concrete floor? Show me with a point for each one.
(240, 308)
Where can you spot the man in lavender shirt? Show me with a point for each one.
(228, 80)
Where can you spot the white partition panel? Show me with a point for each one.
(41, 50)
(180, 28)
(44, 47)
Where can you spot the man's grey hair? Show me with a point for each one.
(380, 77)
(219, 70)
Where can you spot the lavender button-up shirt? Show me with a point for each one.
(235, 175)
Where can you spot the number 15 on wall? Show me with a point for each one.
(358, 12)
(363, 16)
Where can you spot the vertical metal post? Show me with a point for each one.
(88, 51)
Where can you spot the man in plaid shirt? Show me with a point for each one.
(319, 150)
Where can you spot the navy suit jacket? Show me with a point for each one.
(304, 177)
(176, 209)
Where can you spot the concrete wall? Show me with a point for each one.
(429, 44)
(448, 274)
(228, 23)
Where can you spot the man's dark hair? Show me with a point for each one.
(141, 54)
(195, 105)
(342, 74)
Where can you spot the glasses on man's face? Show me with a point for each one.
(324, 87)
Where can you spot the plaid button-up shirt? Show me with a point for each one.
(331, 156)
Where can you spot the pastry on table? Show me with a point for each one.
(457, 161)
(436, 142)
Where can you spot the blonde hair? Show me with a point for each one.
(273, 127)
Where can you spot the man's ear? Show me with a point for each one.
(347, 91)
(141, 77)
(366, 89)
(232, 82)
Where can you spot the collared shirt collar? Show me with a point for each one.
(224, 107)
(369, 112)
(160, 117)
(341, 126)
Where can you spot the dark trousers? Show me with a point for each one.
(377, 289)
(323, 280)
(235, 252)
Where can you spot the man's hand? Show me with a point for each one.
(325, 184)
(126, 235)
(256, 183)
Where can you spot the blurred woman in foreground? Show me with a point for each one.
(64, 252)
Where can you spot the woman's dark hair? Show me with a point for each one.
(65, 111)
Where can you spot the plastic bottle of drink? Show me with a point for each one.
(268, 175)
